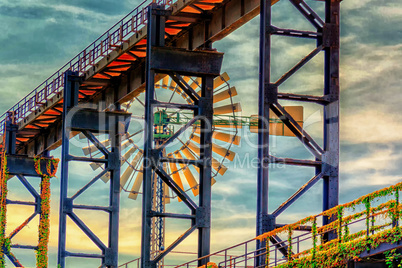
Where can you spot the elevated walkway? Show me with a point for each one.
(366, 227)
(113, 66)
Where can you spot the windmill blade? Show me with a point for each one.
(190, 156)
(136, 186)
(81, 135)
(95, 166)
(172, 85)
(127, 173)
(217, 149)
(133, 163)
(176, 176)
(223, 136)
(127, 155)
(165, 81)
(196, 83)
(220, 80)
(127, 143)
(195, 149)
(179, 90)
(166, 189)
(161, 83)
(187, 153)
(277, 127)
(226, 109)
(223, 151)
(186, 78)
(221, 168)
(92, 148)
(226, 94)
(188, 175)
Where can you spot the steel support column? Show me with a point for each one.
(331, 109)
(153, 39)
(90, 121)
(206, 111)
(11, 136)
(326, 158)
(203, 64)
(265, 96)
(70, 100)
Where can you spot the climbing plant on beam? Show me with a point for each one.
(42, 207)
(44, 221)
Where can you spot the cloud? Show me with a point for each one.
(371, 126)
(376, 160)
(353, 5)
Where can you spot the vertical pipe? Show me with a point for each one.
(331, 110)
(206, 112)
(263, 113)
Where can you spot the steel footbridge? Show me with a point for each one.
(168, 44)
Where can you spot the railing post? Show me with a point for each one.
(340, 215)
(290, 232)
(372, 224)
(245, 254)
(267, 253)
(368, 206)
(395, 223)
(314, 235)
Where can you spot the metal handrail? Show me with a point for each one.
(300, 249)
(102, 46)
(125, 265)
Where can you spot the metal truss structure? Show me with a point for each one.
(152, 42)
(326, 158)
(88, 121)
(20, 167)
(158, 201)
(162, 60)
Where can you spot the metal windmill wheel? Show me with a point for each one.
(225, 133)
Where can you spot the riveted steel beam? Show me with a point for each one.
(165, 59)
(25, 166)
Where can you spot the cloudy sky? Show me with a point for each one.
(39, 36)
